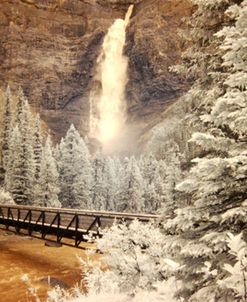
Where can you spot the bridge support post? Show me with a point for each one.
(76, 230)
(58, 227)
(8, 215)
(43, 225)
(98, 226)
(30, 229)
(17, 228)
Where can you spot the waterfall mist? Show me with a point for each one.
(108, 108)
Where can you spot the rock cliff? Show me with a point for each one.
(50, 47)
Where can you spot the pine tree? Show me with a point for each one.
(131, 196)
(21, 151)
(99, 189)
(21, 99)
(83, 180)
(155, 176)
(75, 171)
(112, 184)
(149, 167)
(27, 147)
(212, 197)
(15, 181)
(37, 146)
(48, 187)
(6, 130)
(151, 199)
(229, 111)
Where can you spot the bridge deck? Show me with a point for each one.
(79, 225)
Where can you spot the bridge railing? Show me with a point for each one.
(78, 225)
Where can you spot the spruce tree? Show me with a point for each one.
(99, 189)
(6, 130)
(28, 163)
(155, 176)
(15, 180)
(48, 186)
(151, 199)
(83, 179)
(75, 171)
(149, 168)
(19, 106)
(211, 199)
(112, 184)
(131, 196)
(21, 156)
(37, 146)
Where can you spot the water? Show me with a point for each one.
(108, 108)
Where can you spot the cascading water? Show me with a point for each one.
(108, 109)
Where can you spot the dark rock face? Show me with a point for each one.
(50, 47)
(153, 46)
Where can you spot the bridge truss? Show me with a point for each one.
(78, 225)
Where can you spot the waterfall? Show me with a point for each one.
(108, 108)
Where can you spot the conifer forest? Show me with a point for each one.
(122, 150)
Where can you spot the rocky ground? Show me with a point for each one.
(24, 255)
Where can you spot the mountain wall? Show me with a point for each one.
(50, 48)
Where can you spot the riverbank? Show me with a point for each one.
(20, 255)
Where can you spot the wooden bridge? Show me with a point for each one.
(79, 225)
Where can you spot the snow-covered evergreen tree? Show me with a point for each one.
(112, 180)
(151, 199)
(21, 99)
(234, 283)
(48, 185)
(212, 200)
(229, 111)
(28, 164)
(83, 180)
(160, 179)
(149, 167)
(99, 189)
(21, 159)
(37, 146)
(15, 179)
(132, 189)
(75, 171)
(7, 124)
